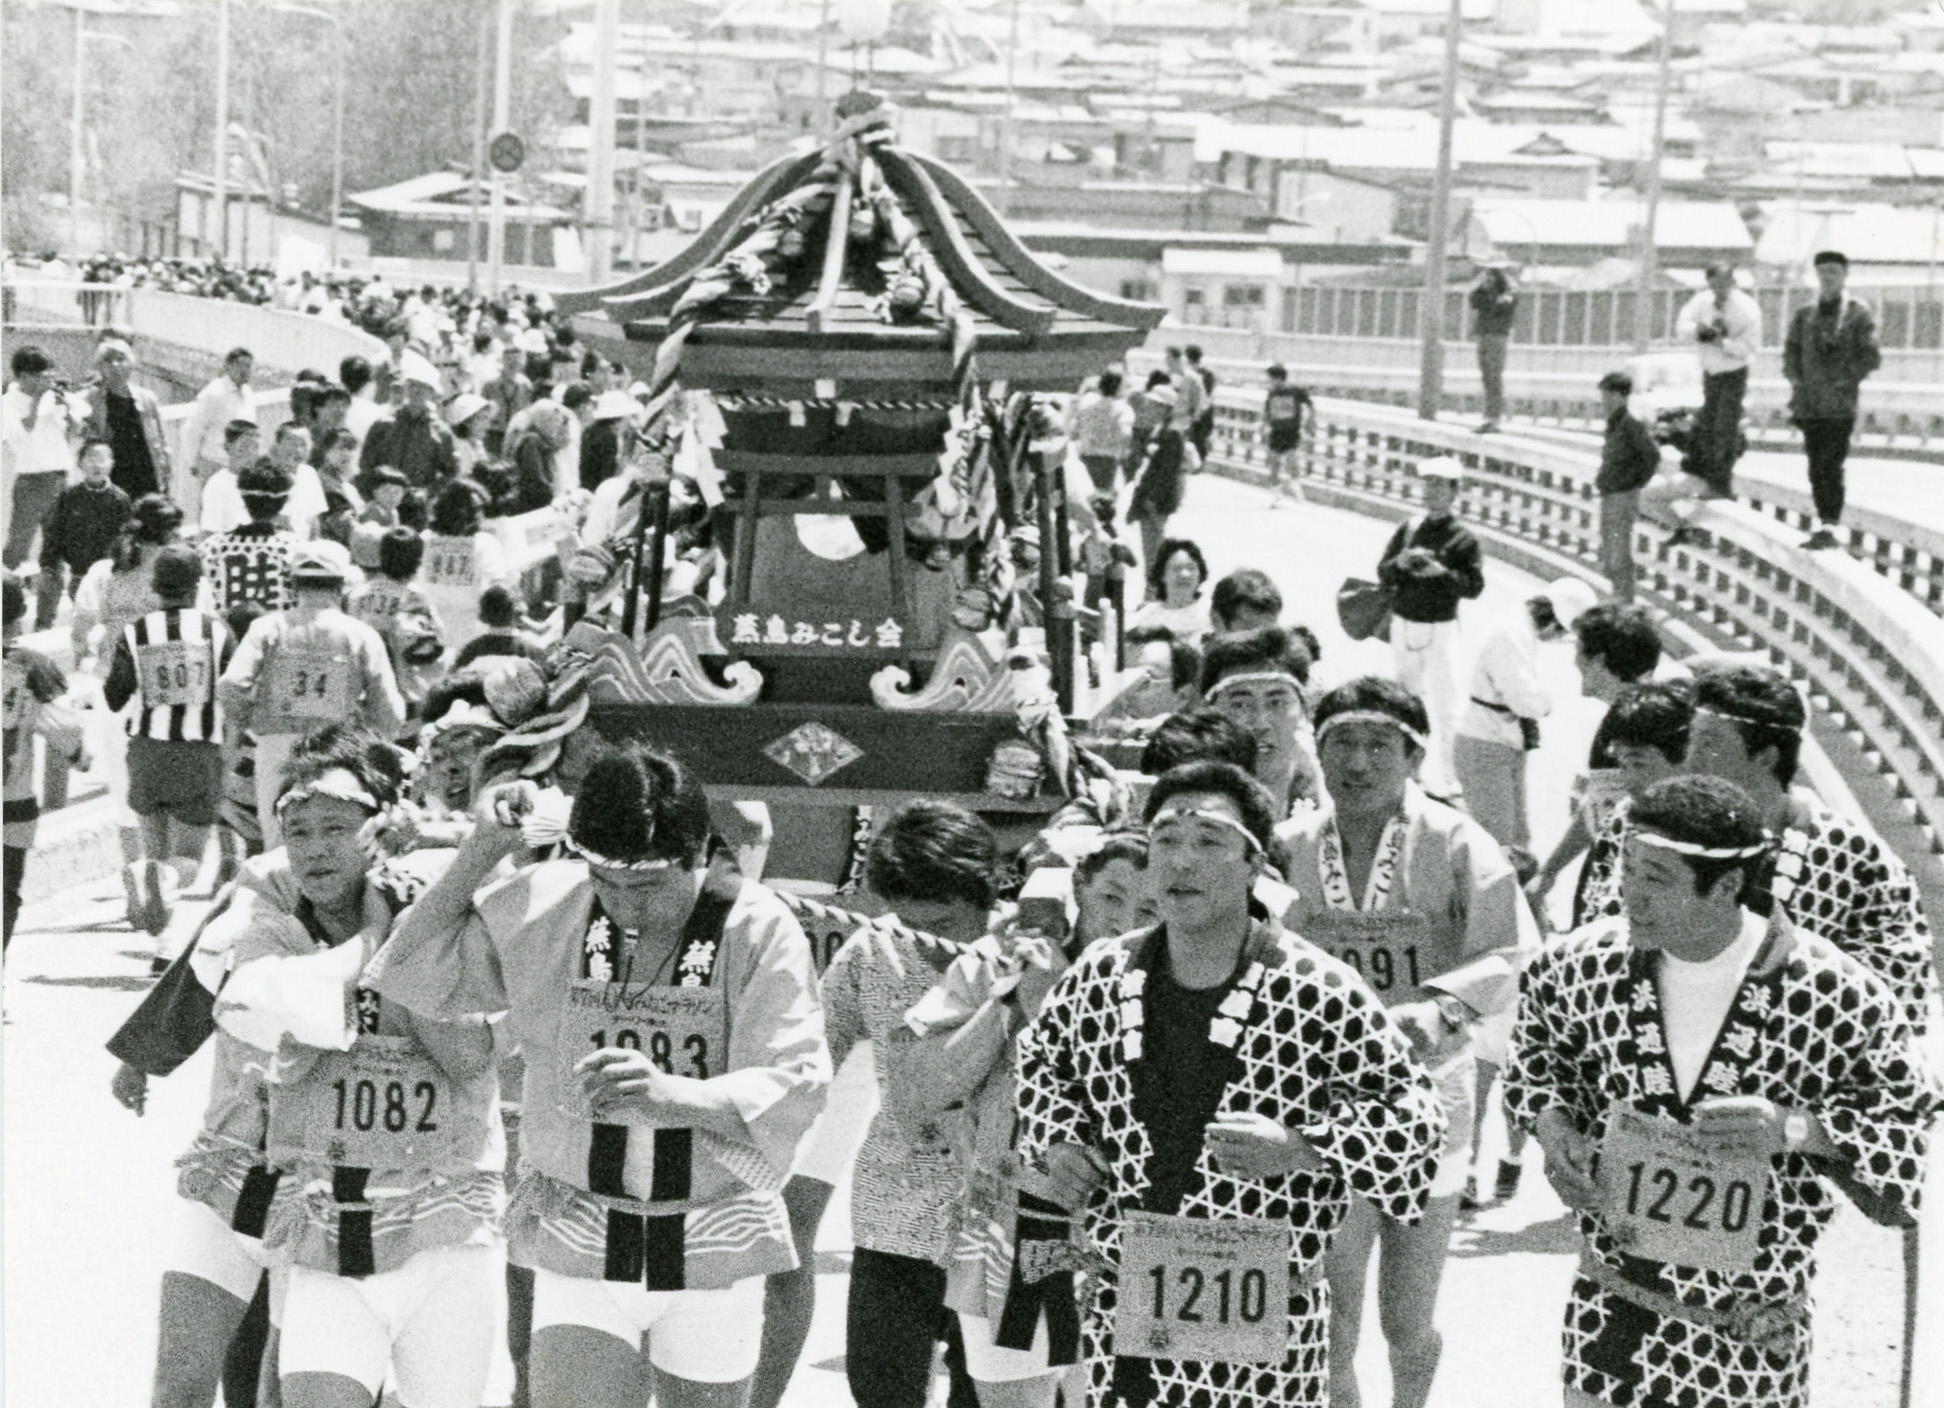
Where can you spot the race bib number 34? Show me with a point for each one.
(1203, 1288)
(682, 1030)
(1668, 1197)
(383, 1105)
(312, 684)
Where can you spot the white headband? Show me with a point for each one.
(340, 784)
(1700, 852)
(1257, 677)
(1162, 818)
(597, 859)
(1368, 716)
(1745, 719)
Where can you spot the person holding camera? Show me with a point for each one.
(1725, 326)
(38, 449)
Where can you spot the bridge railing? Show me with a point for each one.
(280, 340)
(1868, 646)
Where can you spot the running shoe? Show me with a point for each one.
(1507, 1182)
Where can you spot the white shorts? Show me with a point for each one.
(987, 1363)
(851, 1102)
(208, 1248)
(1457, 1082)
(432, 1321)
(708, 1337)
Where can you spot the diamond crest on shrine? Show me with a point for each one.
(813, 751)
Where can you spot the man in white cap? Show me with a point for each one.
(1432, 563)
(304, 667)
(1500, 724)
(604, 440)
(413, 439)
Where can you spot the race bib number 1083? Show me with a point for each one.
(682, 1031)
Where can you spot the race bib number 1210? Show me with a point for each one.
(1203, 1288)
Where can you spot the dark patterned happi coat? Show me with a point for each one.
(1810, 1028)
(1317, 1051)
(1852, 891)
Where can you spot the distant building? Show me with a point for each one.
(427, 218)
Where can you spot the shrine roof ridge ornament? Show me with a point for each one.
(863, 243)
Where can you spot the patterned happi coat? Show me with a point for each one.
(1809, 1028)
(1847, 887)
(1316, 1050)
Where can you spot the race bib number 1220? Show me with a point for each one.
(1668, 1197)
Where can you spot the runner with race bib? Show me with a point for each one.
(299, 669)
(1421, 902)
(674, 1046)
(170, 660)
(1216, 1095)
(383, 1126)
(1698, 1075)
(462, 559)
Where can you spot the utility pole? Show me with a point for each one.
(1006, 119)
(502, 115)
(597, 208)
(478, 158)
(77, 156)
(823, 70)
(220, 196)
(1649, 252)
(1431, 306)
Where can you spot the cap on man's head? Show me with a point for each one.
(1830, 256)
(1441, 467)
(464, 407)
(1570, 599)
(415, 369)
(615, 405)
(177, 571)
(321, 563)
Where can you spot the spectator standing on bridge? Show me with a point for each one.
(354, 374)
(1725, 325)
(1157, 480)
(1494, 304)
(227, 398)
(1430, 565)
(80, 530)
(1202, 429)
(413, 439)
(129, 418)
(1191, 393)
(1508, 699)
(38, 452)
(1101, 425)
(1629, 459)
(1283, 410)
(510, 392)
(1831, 347)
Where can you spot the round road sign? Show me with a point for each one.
(507, 152)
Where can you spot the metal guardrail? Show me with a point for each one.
(1869, 649)
(1901, 412)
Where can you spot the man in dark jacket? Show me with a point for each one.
(1430, 565)
(1628, 460)
(1831, 347)
(412, 439)
(1493, 305)
(80, 529)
